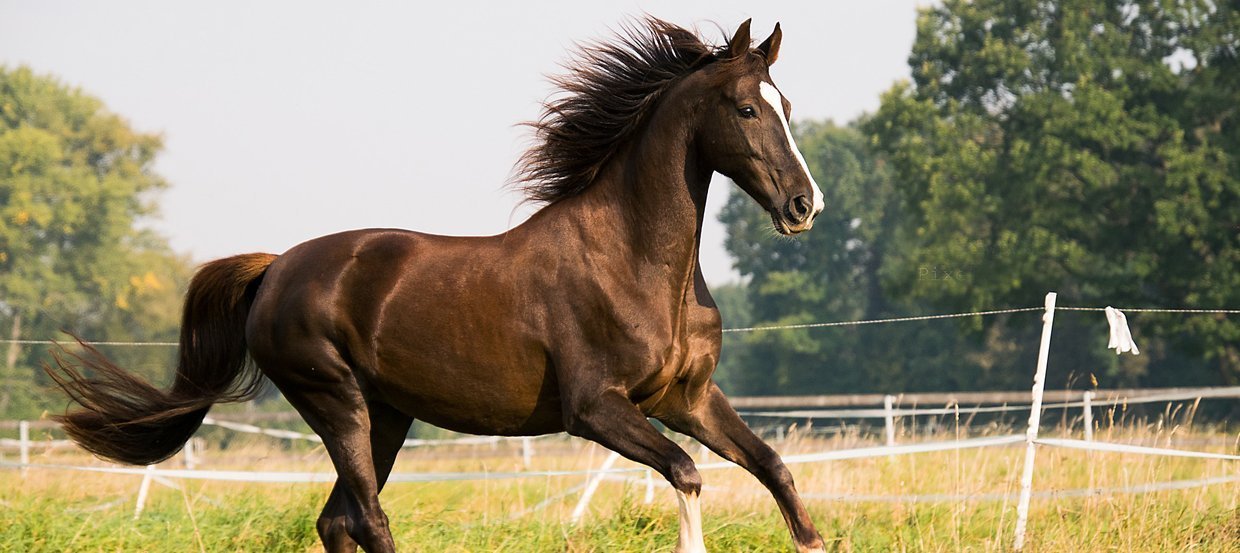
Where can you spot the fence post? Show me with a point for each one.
(143, 489)
(889, 418)
(527, 452)
(1035, 420)
(23, 430)
(1088, 399)
(188, 451)
(649, 486)
(592, 486)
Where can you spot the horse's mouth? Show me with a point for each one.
(784, 228)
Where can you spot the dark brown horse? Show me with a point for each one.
(588, 318)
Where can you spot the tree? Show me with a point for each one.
(830, 273)
(838, 272)
(75, 183)
(1088, 147)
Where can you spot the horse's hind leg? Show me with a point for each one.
(388, 428)
(333, 522)
(341, 416)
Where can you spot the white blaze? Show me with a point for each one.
(776, 100)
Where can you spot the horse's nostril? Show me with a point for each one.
(800, 208)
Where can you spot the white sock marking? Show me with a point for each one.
(691, 538)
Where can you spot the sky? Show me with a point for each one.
(283, 121)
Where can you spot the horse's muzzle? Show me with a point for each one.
(797, 216)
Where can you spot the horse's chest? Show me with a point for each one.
(689, 364)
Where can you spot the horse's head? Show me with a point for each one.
(744, 134)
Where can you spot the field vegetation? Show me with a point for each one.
(946, 501)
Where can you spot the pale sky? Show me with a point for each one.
(286, 120)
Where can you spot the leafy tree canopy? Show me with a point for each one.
(1088, 147)
(75, 184)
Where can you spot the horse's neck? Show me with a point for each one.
(659, 198)
(647, 207)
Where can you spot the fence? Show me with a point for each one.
(888, 412)
(1089, 400)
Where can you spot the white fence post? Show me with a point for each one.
(889, 418)
(23, 430)
(188, 450)
(1035, 420)
(527, 452)
(649, 486)
(592, 486)
(1088, 399)
(143, 489)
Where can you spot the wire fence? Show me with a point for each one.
(889, 412)
(762, 328)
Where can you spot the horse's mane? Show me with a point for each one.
(603, 99)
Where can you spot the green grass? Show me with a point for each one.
(271, 519)
(71, 511)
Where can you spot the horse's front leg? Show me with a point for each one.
(712, 421)
(609, 418)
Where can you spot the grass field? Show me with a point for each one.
(56, 510)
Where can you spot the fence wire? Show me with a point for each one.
(763, 328)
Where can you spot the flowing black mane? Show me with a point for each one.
(604, 98)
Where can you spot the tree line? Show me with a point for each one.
(1086, 147)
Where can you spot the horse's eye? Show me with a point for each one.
(747, 112)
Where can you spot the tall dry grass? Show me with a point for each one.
(945, 501)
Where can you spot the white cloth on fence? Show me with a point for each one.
(1121, 337)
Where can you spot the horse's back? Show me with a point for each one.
(302, 307)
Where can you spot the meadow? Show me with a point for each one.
(960, 500)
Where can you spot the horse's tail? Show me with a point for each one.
(125, 418)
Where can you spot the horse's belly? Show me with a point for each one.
(469, 395)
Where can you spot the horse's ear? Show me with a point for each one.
(739, 45)
(770, 46)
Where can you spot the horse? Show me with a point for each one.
(591, 317)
